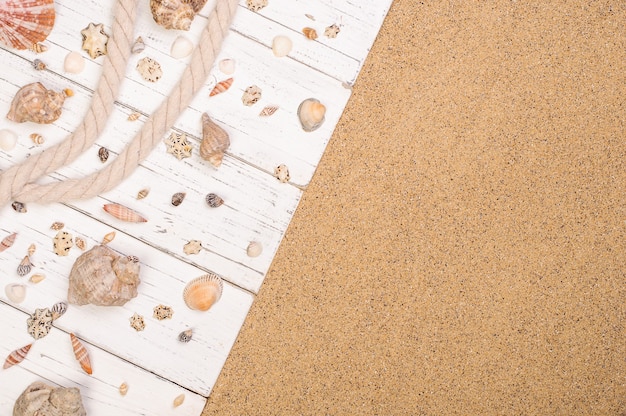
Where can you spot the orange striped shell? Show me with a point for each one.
(17, 356)
(81, 354)
(221, 87)
(123, 213)
(25, 22)
(7, 241)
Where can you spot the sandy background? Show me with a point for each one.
(462, 247)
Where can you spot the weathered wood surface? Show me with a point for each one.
(257, 206)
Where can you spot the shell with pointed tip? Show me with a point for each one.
(25, 22)
(203, 292)
(44, 400)
(221, 86)
(214, 200)
(24, 267)
(138, 46)
(81, 354)
(179, 400)
(311, 113)
(17, 356)
(58, 310)
(7, 241)
(15, 292)
(268, 111)
(34, 102)
(108, 237)
(310, 33)
(123, 213)
(175, 14)
(102, 277)
(215, 141)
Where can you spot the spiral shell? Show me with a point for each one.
(221, 86)
(23, 23)
(214, 200)
(123, 388)
(175, 14)
(19, 207)
(138, 46)
(37, 138)
(108, 237)
(310, 33)
(81, 354)
(16, 356)
(123, 213)
(58, 310)
(34, 102)
(7, 241)
(311, 113)
(215, 141)
(203, 292)
(178, 198)
(39, 65)
(24, 267)
(268, 111)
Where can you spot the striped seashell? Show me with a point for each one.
(57, 225)
(37, 138)
(16, 356)
(143, 193)
(19, 207)
(268, 111)
(108, 238)
(24, 267)
(310, 33)
(39, 65)
(134, 116)
(222, 86)
(103, 154)
(7, 241)
(25, 22)
(203, 292)
(178, 198)
(82, 356)
(123, 213)
(38, 48)
(186, 335)
(58, 310)
(213, 200)
(80, 243)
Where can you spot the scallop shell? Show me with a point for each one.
(281, 172)
(16, 356)
(203, 292)
(251, 95)
(311, 113)
(8, 139)
(268, 111)
(34, 102)
(256, 5)
(161, 312)
(214, 200)
(19, 207)
(37, 138)
(214, 143)
(95, 40)
(37, 278)
(179, 400)
(108, 238)
(123, 213)
(44, 400)
(254, 249)
(25, 22)
(175, 14)
(39, 323)
(137, 322)
(81, 354)
(309, 33)
(24, 267)
(74, 63)
(39, 65)
(58, 310)
(227, 66)
(178, 198)
(181, 47)
(186, 335)
(7, 241)
(221, 86)
(149, 69)
(62, 243)
(192, 247)
(123, 388)
(281, 46)
(15, 292)
(102, 277)
(138, 46)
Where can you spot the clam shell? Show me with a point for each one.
(34, 102)
(281, 46)
(221, 86)
(310, 33)
(149, 69)
(7, 241)
(62, 243)
(25, 22)
(214, 200)
(43, 400)
(214, 143)
(24, 267)
(178, 198)
(39, 323)
(16, 356)
(203, 292)
(8, 139)
(123, 213)
(74, 63)
(227, 66)
(181, 47)
(81, 354)
(15, 292)
(186, 335)
(95, 40)
(175, 14)
(311, 113)
(254, 249)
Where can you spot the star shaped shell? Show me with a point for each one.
(39, 323)
(95, 40)
(137, 322)
(178, 145)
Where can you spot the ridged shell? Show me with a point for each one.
(221, 86)
(108, 237)
(203, 292)
(134, 116)
(143, 193)
(80, 243)
(186, 335)
(175, 14)
(39, 323)
(215, 141)
(268, 111)
(24, 267)
(95, 40)
(38, 48)
(25, 22)
(178, 198)
(123, 213)
(15, 292)
(34, 102)
(16, 356)
(310, 33)
(311, 113)
(37, 138)
(57, 225)
(214, 200)
(58, 310)
(7, 241)
(43, 400)
(81, 354)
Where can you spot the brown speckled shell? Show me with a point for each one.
(175, 14)
(215, 141)
(44, 400)
(25, 22)
(36, 103)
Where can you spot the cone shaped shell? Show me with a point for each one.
(311, 113)
(215, 141)
(25, 22)
(203, 292)
(220, 87)
(81, 354)
(123, 213)
(17, 356)
(7, 241)
(34, 102)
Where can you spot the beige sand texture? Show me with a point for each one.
(462, 248)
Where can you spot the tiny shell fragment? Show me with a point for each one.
(193, 247)
(138, 46)
(108, 238)
(143, 193)
(281, 172)
(80, 243)
(37, 278)
(256, 5)
(31, 249)
(134, 116)
(214, 200)
(8, 139)
(19, 207)
(57, 225)
(221, 86)
(178, 145)
(149, 69)
(62, 243)
(103, 154)
(281, 46)
(39, 65)
(15, 292)
(227, 66)
(310, 16)
(185, 336)
(332, 31)
(178, 198)
(162, 312)
(123, 213)
(310, 33)
(254, 249)
(123, 389)
(268, 111)
(68, 92)
(179, 400)
(251, 95)
(137, 322)
(95, 40)
(37, 138)
(24, 267)
(74, 63)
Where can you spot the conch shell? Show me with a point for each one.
(215, 141)
(23, 23)
(175, 14)
(36, 103)
(311, 114)
(44, 400)
(203, 292)
(101, 277)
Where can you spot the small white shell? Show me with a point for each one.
(227, 66)
(74, 63)
(149, 69)
(181, 47)
(254, 249)
(281, 46)
(8, 139)
(15, 292)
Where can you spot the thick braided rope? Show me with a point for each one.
(153, 130)
(14, 179)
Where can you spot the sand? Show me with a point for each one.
(462, 247)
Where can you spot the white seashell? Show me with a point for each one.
(192, 247)
(227, 66)
(74, 63)
(281, 46)
(254, 249)
(37, 138)
(15, 292)
(311, 113)
(95, 40)
(181, 47)
(281, 172)
(149, 69)
(8, 139)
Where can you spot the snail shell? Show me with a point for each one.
(36, 103)
(215, 141)
(42, 399)
(311, 113)
(310, 33)
(175, 14)
(24, 23)
(203, 292)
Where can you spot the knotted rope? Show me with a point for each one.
(16, 183)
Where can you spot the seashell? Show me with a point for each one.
(251, 95)
(103, 154)
(281, 172)
(281, 46)
(143, 193)
(80, 243)
(37, 138)
(108, 238)
(254, 249)
(311, 114)
(74, 63)
(38, 48)
(123, 389)
(213, 200)
(221, 86)
(39, 323)
(8, 139)
(178, 145)
(81, 354)
(31, 249)
(44, 400)
(256, 5)
(203, 292)
(179, 400)
(185, 336)
(7, 242)
(24, 267)
(15, 292)
(309, 33)
(16, 356)
(310, 16)
(227, 66)
(178, 198)
(37, 278)
(68, 92)
(57, 225)
(214, 143)
(134, 116)
(137, 322)
(58, 310)
(19, 207)
(24, 23)
(162, 312)
(175, 14)
(34, 102)
(181, 47)
(39, 65)
(134, 259)
(268, 111)
(62, 243)
(193, 247)
(123, 213)
(149, 69)
(95, 40)
(138, 46)
(101, 277)
(332, 31)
